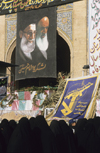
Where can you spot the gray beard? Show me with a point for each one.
(27, 47)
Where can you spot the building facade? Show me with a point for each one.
(72, 28)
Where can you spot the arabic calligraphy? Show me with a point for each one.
(95, 53)
(96, 16)
(96, 46)
(94, 65)
(81, 108)
(33, 68)
(17, 3)
(33, 7)
(29, 4)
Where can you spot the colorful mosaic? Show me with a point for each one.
(67, 6)
(11, 23)
(64, 19)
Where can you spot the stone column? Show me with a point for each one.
(2, 37)
(79, 36)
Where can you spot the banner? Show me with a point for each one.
(36, 44)
(13, 6)
(94, 36)
(3, 87)
(78, 99)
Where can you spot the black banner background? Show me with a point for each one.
(39, 66)
(13, 6)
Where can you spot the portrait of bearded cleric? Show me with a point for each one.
(42, 35)
(27, 43)
(36, 43)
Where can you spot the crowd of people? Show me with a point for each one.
(35, 135)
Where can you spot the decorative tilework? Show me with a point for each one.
(11, 16)
(64, 19)
(11, 30)
(11, 27)
(67, 6)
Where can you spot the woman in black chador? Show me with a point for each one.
(20, 139)
(12, 124)
(86, 136)
(44, 137)
(60, 142)
(64, 136)
(5, 131)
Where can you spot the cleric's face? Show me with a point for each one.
(28, 38)
(43, 26)
(30, 32)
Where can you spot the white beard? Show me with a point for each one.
(27, 47)
(42, 44)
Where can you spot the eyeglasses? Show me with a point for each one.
(30, 33)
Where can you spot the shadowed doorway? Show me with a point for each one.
(63, 55)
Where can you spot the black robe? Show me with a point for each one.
(5, 131)
(31, 121)
(86, 136)
(44, 137)
(12, 124)
(68, 137)
(60, 141)
(20, 139)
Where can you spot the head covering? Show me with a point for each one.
(85, 135)
(31, 121)
(24, 19)
(3, 145)
(5, 130)
(12, 124)
(69, 138)
(80, 124)
(45, 137)
(97, 122)
(60, 141)
(20, 139)
(90, 137)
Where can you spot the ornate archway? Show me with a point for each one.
(8, 56)
(67, 40)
